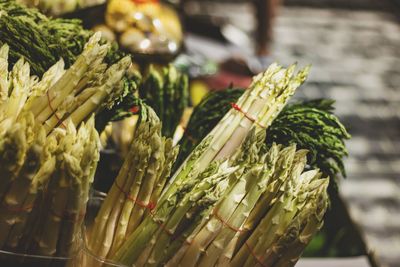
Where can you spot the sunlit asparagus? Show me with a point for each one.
(259, 105)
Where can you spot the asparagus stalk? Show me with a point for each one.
(4, 82)
(12, 154)
(188, 195)
(133, 168)
(91, 56)
(263, 101)
(20, 230)
(19, 189)
(253, 193)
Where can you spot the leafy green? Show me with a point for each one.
(165, 89)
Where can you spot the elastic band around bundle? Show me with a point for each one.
(258, 259)
(150, 206)
(54, 111)
(237, 108)
(18, 209)
(226, 224)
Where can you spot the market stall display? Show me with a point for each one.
(248, 187)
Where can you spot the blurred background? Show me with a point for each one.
(354, 49)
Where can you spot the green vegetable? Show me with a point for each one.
(142, 177)
(47, 164)
(310, 125)
(204, 118)
(43, 41)
(223, 169)
(165, 89)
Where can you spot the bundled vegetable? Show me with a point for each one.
(258, 106)
(48, 165)
(42, 41)
(165, 89)
(310, 125)
(229, 183)
(45, 186)
(135, 190)
(73, 94)
(235, 212)
(204, 118)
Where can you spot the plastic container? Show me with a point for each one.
(86, 258)
(11, 259)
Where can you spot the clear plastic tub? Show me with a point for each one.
(11, 259)
(86, 257)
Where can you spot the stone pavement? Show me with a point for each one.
(356, 61)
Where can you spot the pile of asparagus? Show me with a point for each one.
(165, 89)
(136, 188)
(49, 148)
(42, 41)
(310, 124)
(233, 201)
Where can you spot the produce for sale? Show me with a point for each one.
(224, 195)
(45, 186)
(215, 220)
(136, 189)
(165, 89)
(49, 147)
(43, 41)
(145, 27)
(309, 124)
(258, 106)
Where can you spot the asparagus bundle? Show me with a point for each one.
(259, 105)
(45, 190)
(58, 229)
(256, 109)
(309, 124)
(205, 221)
(136, 188)
(165, 89)
(48, 166)
(73, 94)
(42, 41)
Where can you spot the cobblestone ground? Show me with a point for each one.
(356, 61)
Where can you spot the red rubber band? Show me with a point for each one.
(150, 206)
(226, 224)
(134, 109)
(236, 107)
(18, 209)
(53, 110)
(259, 260)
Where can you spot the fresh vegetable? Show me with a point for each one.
(259, 105)
(309, 124)
(165, 89)
(45, 187)
(42, 42)
(204, 118)
(47, 164)
(208, 222)
(220, 173)
(136, 188)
